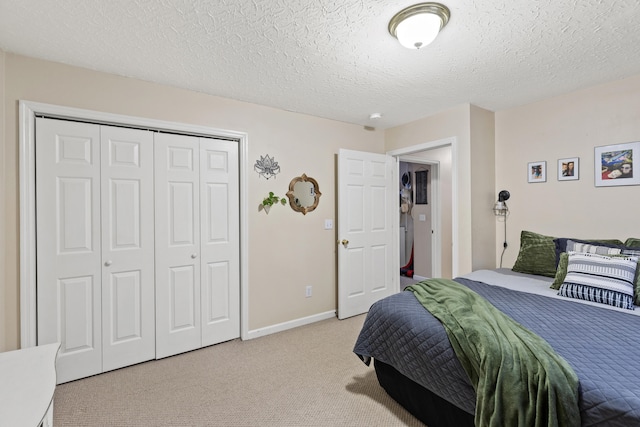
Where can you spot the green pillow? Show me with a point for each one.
(561, 273)
(632, 242)
(537, 255)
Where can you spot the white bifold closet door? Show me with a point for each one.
(197, 247)
(95, 245)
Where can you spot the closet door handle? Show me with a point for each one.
(194, 256)
(108, 263)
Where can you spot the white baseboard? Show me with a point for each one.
(268, 330)
(419, 278)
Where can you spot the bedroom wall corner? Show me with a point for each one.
(483, 184)
(570, 125)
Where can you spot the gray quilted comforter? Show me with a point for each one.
(601, 345)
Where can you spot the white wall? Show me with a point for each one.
(571, 125)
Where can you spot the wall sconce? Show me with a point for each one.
(418, 25)
(501, 210)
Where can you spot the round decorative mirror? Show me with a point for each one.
(303, 194)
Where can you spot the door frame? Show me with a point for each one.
(404, 153)
(28, 111)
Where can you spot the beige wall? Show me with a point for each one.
(472, 128)
(567, 126)
(483, 194)
(4, 308)
(287, 250)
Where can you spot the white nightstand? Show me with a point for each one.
(27, 386)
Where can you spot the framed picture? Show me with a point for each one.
(421, 187)
(614, 164)
(537, 171)
(569, 169)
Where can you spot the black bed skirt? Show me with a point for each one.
(422, 403)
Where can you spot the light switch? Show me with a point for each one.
(328, 224)
(422, 217)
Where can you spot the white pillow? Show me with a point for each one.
(592, 248)
(600, 278)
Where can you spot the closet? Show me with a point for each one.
(136, 244)
(196, 243)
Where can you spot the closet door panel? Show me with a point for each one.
(183, 308)
(178, 312)
(220, 240)
(68, 244)
(128, 270)
(218, 306)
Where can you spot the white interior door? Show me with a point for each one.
(177, 175)
(68, 245)
(219, 241)
(128, 306)
(368, 268)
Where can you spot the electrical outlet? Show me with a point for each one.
(308, 291)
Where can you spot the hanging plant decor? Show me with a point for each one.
(267, 167)
(269, 201)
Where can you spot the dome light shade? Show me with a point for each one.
(418, 25)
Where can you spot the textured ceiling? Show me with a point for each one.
(335, 58)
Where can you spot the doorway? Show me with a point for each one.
(358, 288)
(440, 158)
(416, 228)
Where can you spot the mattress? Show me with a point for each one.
(601, 344)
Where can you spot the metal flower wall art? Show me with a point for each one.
(267, 167)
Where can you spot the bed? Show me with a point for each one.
(417, 366)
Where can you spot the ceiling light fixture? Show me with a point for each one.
(418, 25)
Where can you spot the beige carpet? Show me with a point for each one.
(306, 376)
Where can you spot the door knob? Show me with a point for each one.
(108, 263)
(344, 242)
(194, 256)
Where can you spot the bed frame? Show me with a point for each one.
(420, 402)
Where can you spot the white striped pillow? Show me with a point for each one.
(592, 248)
(600, 278)
(631, 251)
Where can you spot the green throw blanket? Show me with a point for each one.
(518, 378)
